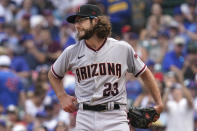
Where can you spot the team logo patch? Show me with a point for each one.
(136, 56)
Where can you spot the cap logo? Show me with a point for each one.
(93, 13)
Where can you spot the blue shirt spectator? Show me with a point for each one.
(10, 88)
(10, 84)
(175, 57)
(172, 59)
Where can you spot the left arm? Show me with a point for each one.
(188, 96)
(151, 84)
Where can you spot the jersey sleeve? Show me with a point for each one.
(61, 65)
(135, 64)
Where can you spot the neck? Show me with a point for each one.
(95, 42)
(178, 54)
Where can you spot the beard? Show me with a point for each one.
(88, 33)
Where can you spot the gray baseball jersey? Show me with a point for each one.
(100, 75)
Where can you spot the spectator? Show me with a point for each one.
(190, 64)
(13, 120)
(13, 38)
(11, 86)
(33, 55)
(173, 60)
(156, 10)
(188, 10)
(52, 110)
(38, 122)
(151, 31)
(52, 25)
(42, 78)
(49, 46)
(35, 104)
(50, 121)
(24, 24)
(191, 29)
(3, 34)
(179, 108)
(18, 63)
(27, 8)
(5, 11)
(158, 50)
(178, 15)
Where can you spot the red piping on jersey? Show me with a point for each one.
(55, 73)
(98, 48)
(140, 71)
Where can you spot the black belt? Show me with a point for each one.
(99, 107)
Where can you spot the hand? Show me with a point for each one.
(68, 103)
(159, 108)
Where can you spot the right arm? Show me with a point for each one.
(188, 96)
(67, 102)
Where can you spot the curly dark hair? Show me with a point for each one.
(103, 27)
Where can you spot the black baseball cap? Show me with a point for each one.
(87, 10)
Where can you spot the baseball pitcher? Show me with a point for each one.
(100, 64)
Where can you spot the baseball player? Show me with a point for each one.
(100, 64)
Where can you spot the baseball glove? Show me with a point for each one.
(142, 117)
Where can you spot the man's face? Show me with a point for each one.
(84, 27)
(179, 48)
(177, 94)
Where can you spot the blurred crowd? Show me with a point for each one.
(33, 33)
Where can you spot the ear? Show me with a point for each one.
(96, 20)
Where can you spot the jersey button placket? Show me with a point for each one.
(95, 62)
(95, 77)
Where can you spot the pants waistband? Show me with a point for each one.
(100, 107)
